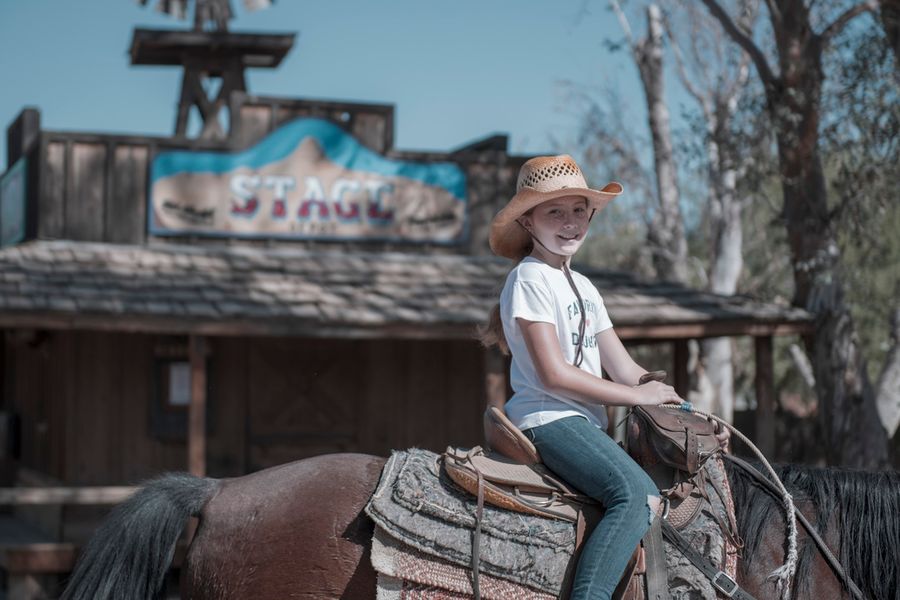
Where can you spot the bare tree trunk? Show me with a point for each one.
(889, 381)
(890, 21)
(717, 88)
(726, 257)
(853, 430)
(665, 233)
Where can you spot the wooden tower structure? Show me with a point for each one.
(206, 53)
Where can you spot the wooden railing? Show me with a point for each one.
(33, 557)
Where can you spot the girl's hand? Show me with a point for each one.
(654, 393)
(723, 436)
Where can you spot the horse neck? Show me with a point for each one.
(856, 512)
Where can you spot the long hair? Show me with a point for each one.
(490, 333)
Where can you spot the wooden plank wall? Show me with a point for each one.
(85, 397)
(371, 124)
(315, 396)
(93, 188)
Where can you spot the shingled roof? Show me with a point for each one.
(232, 290)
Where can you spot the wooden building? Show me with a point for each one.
(132, 346)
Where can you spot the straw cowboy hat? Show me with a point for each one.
(540, 179)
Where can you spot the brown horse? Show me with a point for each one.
(298, 531)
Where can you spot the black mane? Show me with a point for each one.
(863, 507)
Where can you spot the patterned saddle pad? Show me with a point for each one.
(416, 504)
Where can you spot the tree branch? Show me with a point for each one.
(774, 10)
(682, 70)
(851, 13)
(746, 21)
(759, 59)
(623, 21)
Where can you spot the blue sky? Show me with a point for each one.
(454, 71)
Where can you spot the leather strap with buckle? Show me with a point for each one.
(720, 580)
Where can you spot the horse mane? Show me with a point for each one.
(861, 509)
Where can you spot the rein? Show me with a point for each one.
(832, 560)
(785, 573)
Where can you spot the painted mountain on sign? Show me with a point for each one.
(307, 180)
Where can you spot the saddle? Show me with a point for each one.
(671, 446)
(511, 475)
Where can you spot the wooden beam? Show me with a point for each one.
(52, 557)
(235, 327)
(197, 408)
(765, 396)
(282, 327)
(86, 496)
(681, 379)
(639, 332)
(164, 143)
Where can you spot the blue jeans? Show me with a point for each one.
(586, 457)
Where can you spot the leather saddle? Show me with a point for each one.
(670, 445)
(511, 475)
(507, 440)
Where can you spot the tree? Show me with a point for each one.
(890, 21)
(665, 232)
(853, 431)
(715, 75)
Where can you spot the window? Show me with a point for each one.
(178, 394)
(171, 397)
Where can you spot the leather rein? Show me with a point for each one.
(832, 560)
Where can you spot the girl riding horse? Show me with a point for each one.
(554, 323)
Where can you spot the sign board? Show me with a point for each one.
(12, 204)
(309, 179)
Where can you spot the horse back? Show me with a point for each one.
(297, 528)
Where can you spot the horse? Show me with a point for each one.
(298, 530)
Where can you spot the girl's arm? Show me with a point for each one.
(620, 366)
(562, 378)
(615, 359)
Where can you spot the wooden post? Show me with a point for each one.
(27, 586)
(197, 409)
(765, 396)
(21, 134)
(680, 360)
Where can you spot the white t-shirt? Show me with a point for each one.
(538, 292)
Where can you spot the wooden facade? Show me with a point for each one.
(79, 371)
(86, 399)
(294, 348)
(93, 187)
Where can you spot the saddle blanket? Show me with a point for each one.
(392, 588)
(417, 505)
(408, 573)
(420, 506)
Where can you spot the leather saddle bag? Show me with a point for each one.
(676, 438)
(665, 435)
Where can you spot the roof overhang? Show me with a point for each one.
(252, 291)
